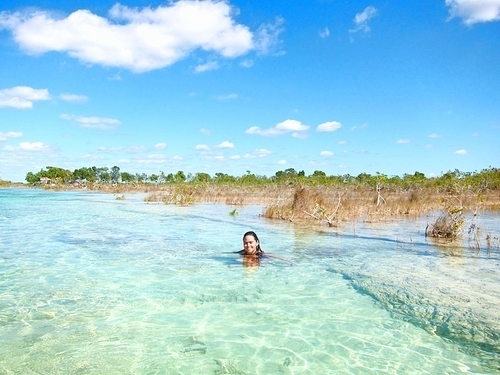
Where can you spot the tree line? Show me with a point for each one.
(486, 179)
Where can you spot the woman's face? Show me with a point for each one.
(250, 244)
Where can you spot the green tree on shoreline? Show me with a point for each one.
(451, 181)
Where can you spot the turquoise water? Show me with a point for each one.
(94, 285)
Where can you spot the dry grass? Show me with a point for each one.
(334, 206)
(321, 204)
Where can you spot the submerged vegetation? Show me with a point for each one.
(294, 196)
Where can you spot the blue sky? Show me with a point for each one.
(212, 86)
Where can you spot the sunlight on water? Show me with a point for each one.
(94, 285)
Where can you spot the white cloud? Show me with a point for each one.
(402, 141)
(202, 147)
(266, 38)
(109, 149)
(362, 126)
(434, 135)
(159, 157)
(261, 152)
(211, 65)
(8, 135)
(361, 19)
(235, 157)
(177, 157)
(135, 149)
(330, 126)
(160, 146)
(227, 97)
(324, 33)
(22, 97)
(246, 63)
(342, 142)
(225, 144)
(141, 39)
(33, 146)
(282, 161)
(93, 122)
(205, 131)
(461, 152)
(73, 98)
(326, 153)
(288, 126)
(474, 11)
(116, 77)
(258, 153)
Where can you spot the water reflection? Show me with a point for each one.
(250, 261)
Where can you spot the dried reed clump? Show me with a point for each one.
(449, 224)
(305, 203)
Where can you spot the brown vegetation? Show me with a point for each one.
(328, 205)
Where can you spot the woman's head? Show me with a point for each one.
(251, 243)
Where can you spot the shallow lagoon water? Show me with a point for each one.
(94, 285)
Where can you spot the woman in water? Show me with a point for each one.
(252, 253)
(251, 245)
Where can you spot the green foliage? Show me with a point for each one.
(452, 182)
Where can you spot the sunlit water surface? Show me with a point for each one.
(90, 284)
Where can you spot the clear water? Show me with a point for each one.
(94, 285)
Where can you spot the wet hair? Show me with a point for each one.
(254, 235)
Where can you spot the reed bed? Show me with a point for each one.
(326, 205)
(329, 205)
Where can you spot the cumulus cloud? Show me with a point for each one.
(22, 97)
(93, 122)
(434, 135)
(160, 146)
(326, 153)
(7, 135)
(474, 11)
(282, 161)
(361, 19)
(202, 147)
(225, 144)
(461, 152)
(402, 141)
(141, 39)
(288, 126)
(33, 146)
(73, 98)
(329, 126)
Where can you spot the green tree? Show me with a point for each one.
(115, 174)
(154, 178)
(127, 177)
(32, 178)
(180, 176)
(201, 177)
